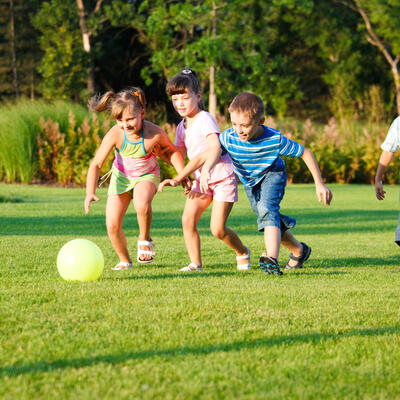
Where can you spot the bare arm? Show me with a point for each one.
(102, 153)
(323, 192)
(384, 161)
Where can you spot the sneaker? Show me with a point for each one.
(270, 266)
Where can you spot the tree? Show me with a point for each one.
(69, 57)
(19, 51)
(381, 19)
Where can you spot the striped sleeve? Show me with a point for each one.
(222, 142)
(289, 148)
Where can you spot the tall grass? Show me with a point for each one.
(20, 125)
(54, 142)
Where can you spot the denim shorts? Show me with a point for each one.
(265, 199)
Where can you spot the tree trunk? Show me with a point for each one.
(86, 44)
(13, 50)
(375, 40)
(212, 99)
(395, 72)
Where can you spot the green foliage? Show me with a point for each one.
(28, 53)
(63, 65)
(346, 151)
(65, 157)
(65, 134)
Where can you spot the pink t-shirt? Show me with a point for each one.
(194, 139)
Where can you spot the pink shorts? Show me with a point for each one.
(225, 190)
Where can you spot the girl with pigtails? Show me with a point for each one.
(135, 173)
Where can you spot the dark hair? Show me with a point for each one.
(185, 81)
(116, 103)
(247, 103)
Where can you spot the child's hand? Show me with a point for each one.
(88, 199)
(204, 178)
(187, 186)
(324, 193)
(167, 182)
(380, 193)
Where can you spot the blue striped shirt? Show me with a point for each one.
(252, 159)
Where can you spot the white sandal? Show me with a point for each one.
(141, 252)
(192, 267)
(243, 267)
(122, 265)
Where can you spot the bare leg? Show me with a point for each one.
(195, 205)
(272, 241)
(291, 243)
(219, 216)
(142, 197)
(117, 205)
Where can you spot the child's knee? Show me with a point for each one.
(218, 231)
(188, 222)
(112, 227)
(143, 208)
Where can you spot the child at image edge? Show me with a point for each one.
(135, 173)
(197, 132)
(389, 146)
(255, 150)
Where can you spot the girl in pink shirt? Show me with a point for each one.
(197, 132)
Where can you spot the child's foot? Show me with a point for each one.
(296, 261)
(145, 252)
(122, 265)
(192, 267)
(270, 265)
(244, 261)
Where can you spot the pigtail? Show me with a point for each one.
(101, 103)
(140, 96)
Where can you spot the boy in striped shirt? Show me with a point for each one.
(255, 151)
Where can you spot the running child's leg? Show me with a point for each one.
(299, 252)
(142, 197)
(219, 216)
(272, 241)
(291, 243)
(195, 205)
(116, 207)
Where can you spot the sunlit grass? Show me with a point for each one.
(331, 330)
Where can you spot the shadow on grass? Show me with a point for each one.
(310, 223)
(179, 275)
(351, 262)
(267, 342)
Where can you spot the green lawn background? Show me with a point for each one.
(331, 330)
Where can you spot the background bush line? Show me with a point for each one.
(54, 143)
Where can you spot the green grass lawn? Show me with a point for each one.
(329, 331)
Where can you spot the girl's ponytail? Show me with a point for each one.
(101, 103)
(133, 98)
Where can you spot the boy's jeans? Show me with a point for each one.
(265, 199)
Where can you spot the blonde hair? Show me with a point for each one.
(116, 103)
(247, 103)
(184, 82)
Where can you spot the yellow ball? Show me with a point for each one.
(80, 260)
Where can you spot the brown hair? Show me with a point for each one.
(247, 103)
(116, 103)
(185, 81)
